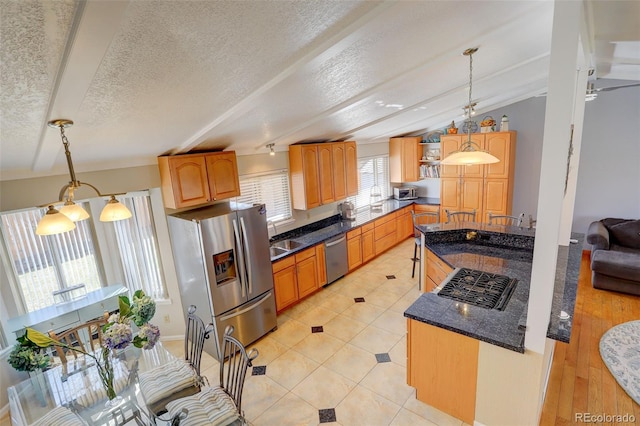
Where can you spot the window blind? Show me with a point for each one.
(138, 248)
(373, 171)
(43, 264)
(270, 189)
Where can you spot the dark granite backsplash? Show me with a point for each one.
(306, 229)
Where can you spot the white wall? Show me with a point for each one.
(609, 174)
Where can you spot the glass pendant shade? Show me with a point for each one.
(54, 222)
(74, 211)
(114, 210)
(464, 158)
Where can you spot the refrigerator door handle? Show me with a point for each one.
(247, 309)
(240, 254)
(248, 268)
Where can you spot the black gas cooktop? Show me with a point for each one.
(490, 291)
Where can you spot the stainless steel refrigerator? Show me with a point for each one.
(223, 263)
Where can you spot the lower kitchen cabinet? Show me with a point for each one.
(298, 276)
(368, 247)
(436, 270)
(322, 265)
(443, 367)
(354, 248)
(285, 282)
(384, 233)
(404, 224)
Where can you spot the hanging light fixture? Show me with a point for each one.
(469, 152)
(272, 152)
(54, 221)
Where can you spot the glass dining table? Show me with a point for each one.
(78, 387)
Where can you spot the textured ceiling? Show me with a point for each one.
(144, 78)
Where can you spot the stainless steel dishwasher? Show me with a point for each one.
(336, 257)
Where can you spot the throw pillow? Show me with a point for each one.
(626, 233)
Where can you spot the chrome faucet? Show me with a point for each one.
(273, 225)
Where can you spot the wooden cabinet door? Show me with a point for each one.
(307, 272)
(450, 196)
(404, 225)
(285, 286)
(325, 172)
(472, 190)
(321, 264)
(184, 180)
(500, 145)
(354, 252)
(351, 166)
(496, 197)
(475, 170)
(368, 247)
(339, 171)
(304, 176)
(448, 144)
(222, 170)
(404, 156)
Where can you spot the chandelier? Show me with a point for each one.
(63, 220)
(469, 152)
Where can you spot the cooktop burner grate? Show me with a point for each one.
(490, 291)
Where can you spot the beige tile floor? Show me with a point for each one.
(337, 369)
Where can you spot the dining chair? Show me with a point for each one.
(222, 404)
(87, 337)
(180, 378)
(421, 219)
(60, 416)
(496, 219)
(460, 216)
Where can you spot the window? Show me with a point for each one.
(138, 247)
(270, 189)
(373, 171)
(43, 264)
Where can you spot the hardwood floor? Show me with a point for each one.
(579, 381)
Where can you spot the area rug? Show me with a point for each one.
(620, 351)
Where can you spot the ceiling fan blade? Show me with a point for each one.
(606, 89)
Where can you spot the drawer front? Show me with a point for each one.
(59, 323)
(436, 274)
(305, 254)
(368, 226)
(354, 233)
(385, 243)
(432, 258)
(384, 229)
(283, 264)
(419, 208)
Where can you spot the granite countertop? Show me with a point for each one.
(317, 232)
(501, 250)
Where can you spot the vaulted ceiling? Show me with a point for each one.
(144, 78)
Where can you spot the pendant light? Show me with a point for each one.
(469, 152)
(56, 222)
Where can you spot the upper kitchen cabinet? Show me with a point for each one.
(194, 179)
(322, 173)
(351, 164)
(451, 143)
(503, 146)
(404, 159)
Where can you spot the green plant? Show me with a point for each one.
(28, 357)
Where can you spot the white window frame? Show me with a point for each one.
(362, 200)
(284, 210)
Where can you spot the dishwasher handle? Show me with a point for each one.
(334, 242)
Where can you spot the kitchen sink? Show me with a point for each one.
(277, 251)
(286, 245)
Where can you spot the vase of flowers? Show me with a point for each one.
(117, 334)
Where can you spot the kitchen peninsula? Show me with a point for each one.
(458, 341)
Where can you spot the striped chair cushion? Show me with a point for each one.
(211, 407)
(59, 416)
(167, 379)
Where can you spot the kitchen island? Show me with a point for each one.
(454, 344)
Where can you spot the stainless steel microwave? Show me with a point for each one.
(405, 193)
